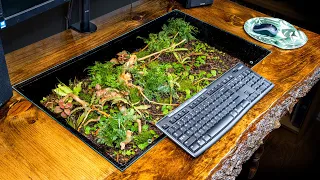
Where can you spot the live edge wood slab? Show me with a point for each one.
(32, 145)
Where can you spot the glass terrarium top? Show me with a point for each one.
(286, 36)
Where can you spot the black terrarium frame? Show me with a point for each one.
(237, 47)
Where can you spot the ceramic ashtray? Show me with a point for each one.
(276, 32)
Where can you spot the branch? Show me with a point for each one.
(91, 120)
(139, 125)
(76, 98)
(163, 50)
(153, 102)
(127, 140)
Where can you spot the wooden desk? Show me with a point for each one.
(32, 145)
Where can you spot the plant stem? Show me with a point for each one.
(163, 50)
(144, 48)
(76, 109)
(153, 102)
(84, 119)
(209, 79)
(91, 120)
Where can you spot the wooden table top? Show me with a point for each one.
(32, 145)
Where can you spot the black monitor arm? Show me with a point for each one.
(84, 26)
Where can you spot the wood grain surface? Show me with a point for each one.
(34, 146)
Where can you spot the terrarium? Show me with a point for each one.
(112, 96)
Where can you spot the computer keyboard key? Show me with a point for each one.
(244, 103)
(165, 126)
(171, 130)
(190, 141)
(197, 126)
(233, 113)
(183, 129)
(172, 120)
(174, 127)
(213, 131)
(177, 134)
(201, 142)
(179, 123)
(197, 135)
(193, 130)
(183, 138)
(205, 128)
(194, 147)
(189, 133)
(238, 109)
(206, 138)
(187, 126)
(201, 131)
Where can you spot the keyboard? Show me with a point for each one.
(204, 118)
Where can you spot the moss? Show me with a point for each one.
(134, 95)
(105, 74)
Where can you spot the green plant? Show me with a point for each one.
(175, 31)
(200, 60)
(134, 95)
(173, 83)
(166, 109)
(114, 105)
(154, 81)
(105, 74)
(145, 137)
(112, 130)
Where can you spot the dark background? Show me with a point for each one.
(301, 13)
(51, 22)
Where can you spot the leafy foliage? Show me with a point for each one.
(154, 81)
(134, 95)
(175, 31)
(105, 74)
(121, 97)
(145, 138)
(112, 130)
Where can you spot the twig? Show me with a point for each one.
(100, 106)
(101, 112)
(153, 102)
(76, 109)
(139, 125)
(84, 119)
(144, 47)
(156, 114)
(91, 120)
(76, 98)
(195, 54)
(163, 50)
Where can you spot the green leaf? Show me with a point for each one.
(179, 49)
(188, 93)
(191, 77)
(115, 100)
(62, 90)
(129, 152)
(44, 99)
(77, 89)
(214, 73)
(87, 130)
(143, 146)
(177, 56)
(145, 127)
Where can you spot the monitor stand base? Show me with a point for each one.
(92, 28)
